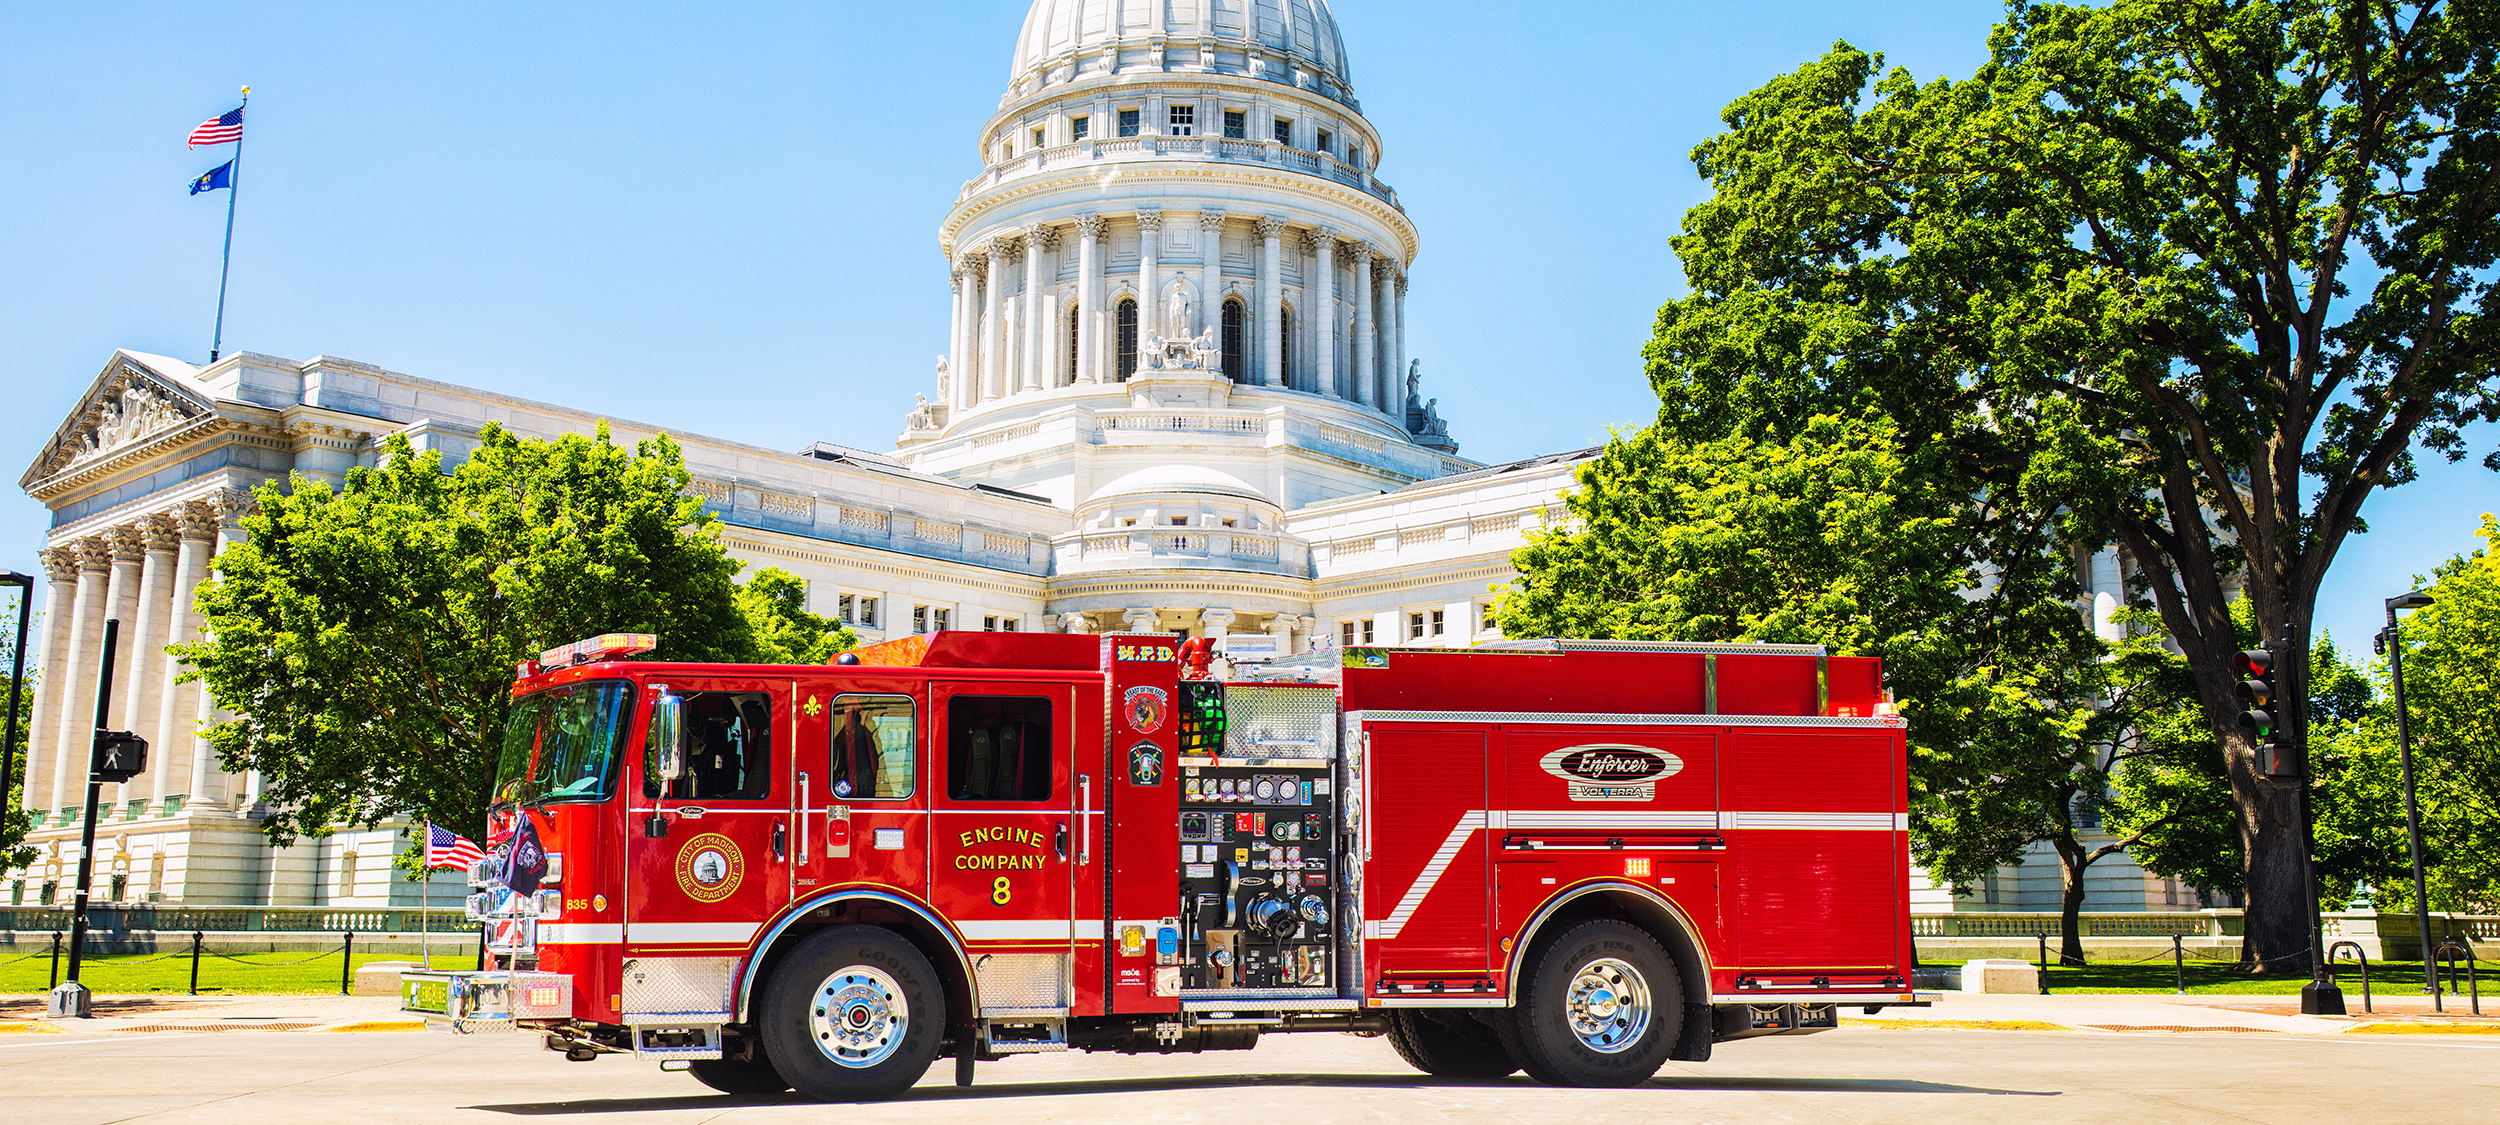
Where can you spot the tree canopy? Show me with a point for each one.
(363, 640)
(2195, 277)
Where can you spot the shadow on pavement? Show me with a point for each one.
(1223, 1081)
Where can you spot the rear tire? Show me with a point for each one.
(1449, 1045)
(853, 1014)
(739, 1076)
(1601, 1006)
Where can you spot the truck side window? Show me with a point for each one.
(875, 755)
(998, 748)
(729, 749)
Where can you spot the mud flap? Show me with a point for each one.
(1693, 1044)
(967, 1045)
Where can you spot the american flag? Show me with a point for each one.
(445, 848)
(219, 130)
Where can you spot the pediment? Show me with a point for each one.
(136, 397)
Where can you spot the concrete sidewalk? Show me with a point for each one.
(23, 1015)
(2174, 1014)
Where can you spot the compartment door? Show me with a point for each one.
(1427, 890)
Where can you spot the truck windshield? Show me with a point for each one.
(564, 743)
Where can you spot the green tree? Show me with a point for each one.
(2197, 275)
(774, 604)
(15, 823)
(365, 639)
(2017, 713)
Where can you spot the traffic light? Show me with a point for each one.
(119, 755)
(2277, 756)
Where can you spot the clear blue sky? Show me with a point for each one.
(722, 217)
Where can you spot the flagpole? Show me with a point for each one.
(234, 181)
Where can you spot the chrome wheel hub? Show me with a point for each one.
(858, 1015)
(1607, 1005)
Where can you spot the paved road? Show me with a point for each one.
(1850, 1075)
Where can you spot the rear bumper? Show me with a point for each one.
(470, 1003)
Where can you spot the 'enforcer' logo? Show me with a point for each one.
(1611, 771)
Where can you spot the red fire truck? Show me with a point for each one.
(1578, 859)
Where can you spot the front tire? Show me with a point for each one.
(854, 1014)
(739, 1076)
(1449, 1045)
(1602, 1006)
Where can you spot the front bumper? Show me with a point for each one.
(469, 1003)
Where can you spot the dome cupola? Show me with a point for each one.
(1294, 42)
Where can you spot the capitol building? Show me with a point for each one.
(1177, 394)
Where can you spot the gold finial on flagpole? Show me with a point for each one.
(247, 91)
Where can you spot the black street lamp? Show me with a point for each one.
(2392, 643)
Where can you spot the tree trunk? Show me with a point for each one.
(2275, 939)
(2072, 862)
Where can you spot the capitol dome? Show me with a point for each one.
(1289, 41)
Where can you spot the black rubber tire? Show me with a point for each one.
(1449, 1045)
(788, 999)
(1538, 1029)
(738, 1076)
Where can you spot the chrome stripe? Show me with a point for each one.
(1812, 1000)
(1030, 929)
(708, 932)
(580, 933)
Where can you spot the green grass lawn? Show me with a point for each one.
(2209, 978)
(140, 974)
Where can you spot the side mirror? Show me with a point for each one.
(668, 740)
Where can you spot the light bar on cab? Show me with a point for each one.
(605, 646)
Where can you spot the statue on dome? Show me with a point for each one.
(941, 370)
(923, 416)
(1174, 349)
(1433, 425)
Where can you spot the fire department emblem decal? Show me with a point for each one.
(1146, 707)
(1145, 764)
(710, 867)
(1612, 771)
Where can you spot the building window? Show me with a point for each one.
(1234, 366)
(1368, 626)
(1284, 338)
(1324, 138)
(1180, 521)
(1006, 149)
(1068, 377)
(1484, 617)
(989, 623)
(1130, 521)
(1128, 123)
(1078, 127)
(1284, 131)
(1006, 624)
(942, 618)
(1414, 626)
(1354, 155)
(868, 612)
(846, 609)
(1437, 624)
(998, 748)
(1184, 120)
(1236, 125)
(1229, 523)
(1345, 634)
(1040, 138)
(1126, 315)
(920, 619)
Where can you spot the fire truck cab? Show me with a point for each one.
(1578, 859)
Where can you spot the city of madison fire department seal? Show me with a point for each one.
(1146, 707)
(1611, 771)
(1145, 764)
(709, 867)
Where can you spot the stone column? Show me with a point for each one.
(1323, 314)
(43, 732)
(1138, 621)
(954, 339)
(1211, 271)
(143, 648)
(1271, 312)
(1149, 300)
(1036, 307)
(1088, 299)
(77, 668)
(1366, 375)
(229, 508)
(122, 604)
(1280, 627)
(1076, 623)
(196, 524)
(1397, 366)
(1216, 622)
(993, 332)
(1305, 626)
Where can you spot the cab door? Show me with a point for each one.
(1004, 837)
(862, 794)
(711, 850)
